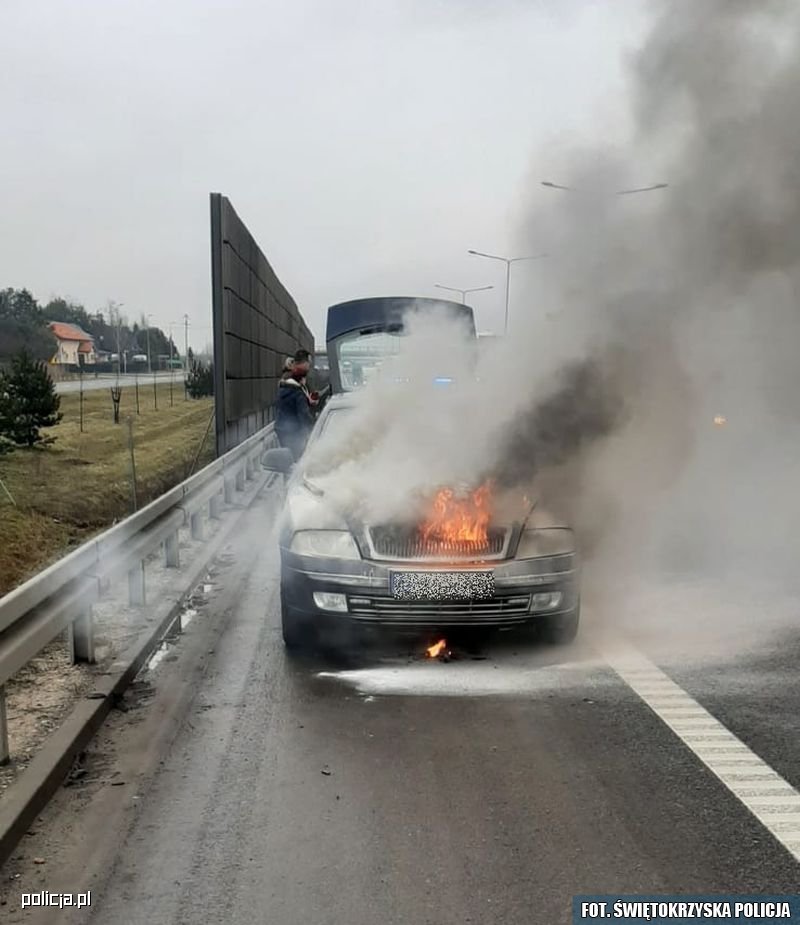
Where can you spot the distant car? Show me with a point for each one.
(393, 575)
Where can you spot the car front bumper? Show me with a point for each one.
(524, 591)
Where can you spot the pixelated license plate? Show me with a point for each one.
(442, 586)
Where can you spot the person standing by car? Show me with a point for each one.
(293, 414)
(302, 366)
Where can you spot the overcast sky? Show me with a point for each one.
(366, 145)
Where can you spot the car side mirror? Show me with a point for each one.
(278, 459)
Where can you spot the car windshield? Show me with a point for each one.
(330, 424)
(332, 421)
(361, 356)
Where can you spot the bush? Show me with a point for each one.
(200, 381)
(28, 402)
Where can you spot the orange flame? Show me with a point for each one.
(459, 520)
(437, 648)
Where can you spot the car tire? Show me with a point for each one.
(561, 629)
(296, 631)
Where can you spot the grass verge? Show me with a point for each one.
(82, 483)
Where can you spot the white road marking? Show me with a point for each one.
(770, 798)
(771, 803)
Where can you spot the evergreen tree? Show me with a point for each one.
(22, 325)
(28, 402)
(200, 381)
(20, 304)
(61, 310)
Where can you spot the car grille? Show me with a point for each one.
(387, 610)
(402, 544)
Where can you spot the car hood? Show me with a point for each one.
(310, 509)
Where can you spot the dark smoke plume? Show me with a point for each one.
(678, 305)
(582, 407)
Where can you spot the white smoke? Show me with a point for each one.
(410, 435)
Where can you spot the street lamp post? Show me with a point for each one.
(186, 345)
(619, 192)
(507, 261)
(463, 292)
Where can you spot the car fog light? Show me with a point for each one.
(334, 602)
(547, 600)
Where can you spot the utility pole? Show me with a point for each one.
(171, 363)
(185, 357)
(119, 349)
(186, 345)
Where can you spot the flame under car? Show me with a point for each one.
(455, 568)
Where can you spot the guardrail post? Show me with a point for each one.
(240, 480)
(172, 550)
(5, 752)
(137, 596)
(175, 628)
(81, 637)
(228, 491)
(196, 522)
(249, 469)
(213, 508)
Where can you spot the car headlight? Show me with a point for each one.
(546, 541)
(328, 544)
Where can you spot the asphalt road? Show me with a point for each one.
(491, 789)
(90, 383)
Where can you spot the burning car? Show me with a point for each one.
(460, 559)
(459, 567)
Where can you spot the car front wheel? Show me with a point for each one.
(296, 631)
(561, 629)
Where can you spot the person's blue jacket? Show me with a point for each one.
(293, 417)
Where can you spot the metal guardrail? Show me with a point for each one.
(61, 596)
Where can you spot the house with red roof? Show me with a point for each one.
(75, 346)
